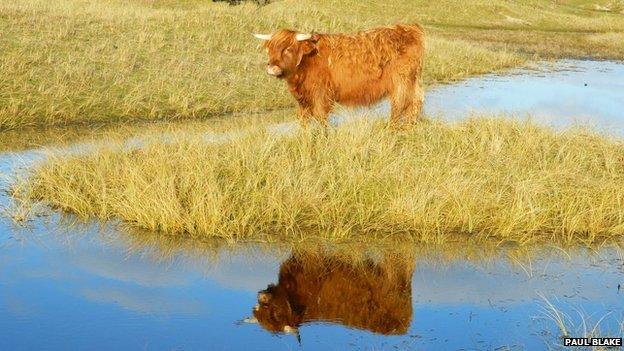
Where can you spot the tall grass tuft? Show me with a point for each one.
(481, 178)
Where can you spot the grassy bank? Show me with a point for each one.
(483, 178)
(75, 61)
(23, 139)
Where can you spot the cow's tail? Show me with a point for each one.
(417, 32)
(416, 27)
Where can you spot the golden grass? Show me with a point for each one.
(161, 247)
(483, 178)
(581, 325)
(78, 61)
(207, 250)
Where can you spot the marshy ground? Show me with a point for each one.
(139, 231)
(483, 177)
(256, 179)
(160, 287)
(68, 62)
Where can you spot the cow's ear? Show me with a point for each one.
(264, 297)
(308, 47)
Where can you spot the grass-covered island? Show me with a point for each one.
(481, 178)
(71, 63)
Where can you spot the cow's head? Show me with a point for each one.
(275, 313)
(287, 49)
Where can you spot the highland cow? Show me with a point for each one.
(369, 296)
(352, 70)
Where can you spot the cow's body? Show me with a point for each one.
(374, 297)
(354, 70)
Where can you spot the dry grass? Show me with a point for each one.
(77, 61)
(483, 178)
(581, 325)
(209, 250)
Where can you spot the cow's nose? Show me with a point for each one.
(274, 70)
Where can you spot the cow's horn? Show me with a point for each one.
(262, 36)
(303, 36)
(251, 320)
(293, 330)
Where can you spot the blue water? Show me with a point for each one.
(562, 94)
(93, 286)
(566, 93)
(90, 287)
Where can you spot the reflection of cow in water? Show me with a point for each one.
(371, 296)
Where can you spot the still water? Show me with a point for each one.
(559, 94)
(93, 286)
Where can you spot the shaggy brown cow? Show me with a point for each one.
(354, 70)
(370, 296)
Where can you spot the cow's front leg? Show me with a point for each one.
(321, 111)
(305, 114)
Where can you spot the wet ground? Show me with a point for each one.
(68, 286)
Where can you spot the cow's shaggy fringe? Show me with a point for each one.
(482, 178)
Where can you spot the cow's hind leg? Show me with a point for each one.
(401, 100)
(414, 111)
(407, 98)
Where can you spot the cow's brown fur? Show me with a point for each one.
(370, 296)
(357, 69)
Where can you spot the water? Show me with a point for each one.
(571, 92)
(567, 93)
(69, 286)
